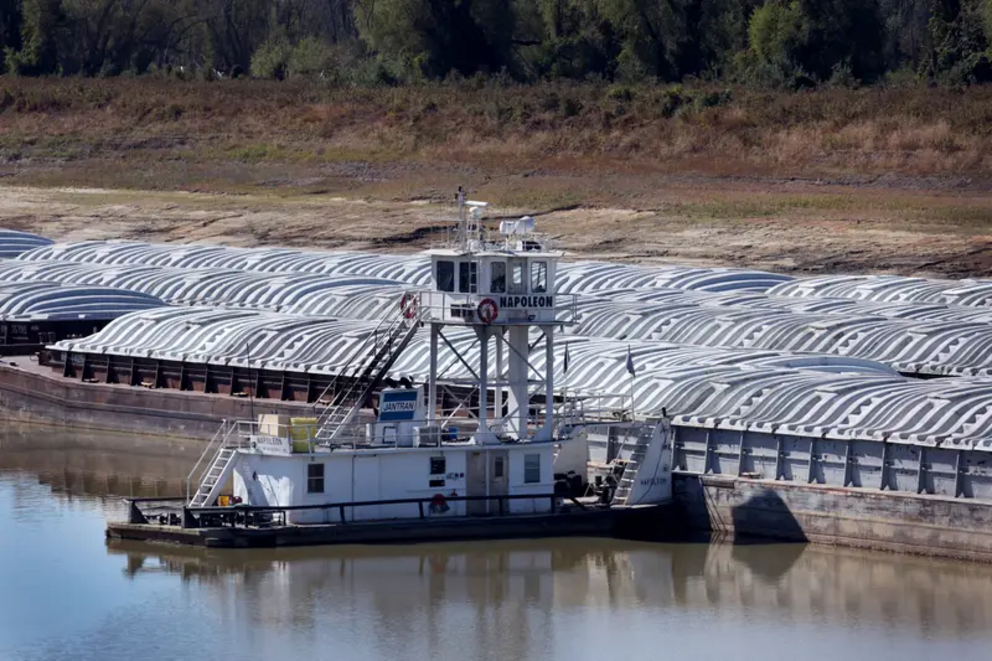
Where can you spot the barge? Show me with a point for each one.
(830, 449)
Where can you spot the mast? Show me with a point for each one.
(503, 291)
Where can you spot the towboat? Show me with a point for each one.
(502, 454)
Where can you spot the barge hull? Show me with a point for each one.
(920, 524)
(34, 395)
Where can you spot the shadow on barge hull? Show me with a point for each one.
(742, 508)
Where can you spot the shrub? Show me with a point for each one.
(271, 60)
(620, 93)
(311, 57)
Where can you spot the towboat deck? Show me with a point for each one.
(254, 527)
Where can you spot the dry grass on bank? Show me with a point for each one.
(556, 127)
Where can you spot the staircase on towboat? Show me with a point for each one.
(222, 450)
(373, 361)
(369, 367)
(647, 471)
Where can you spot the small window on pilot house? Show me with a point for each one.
(517, 283)
(539, 277)
(315, 478)
(446, 276)
(532, 468)
(468, 277)
(497, 284)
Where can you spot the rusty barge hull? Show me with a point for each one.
(32, 394)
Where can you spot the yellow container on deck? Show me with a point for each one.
(302, 430)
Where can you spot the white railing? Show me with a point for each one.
(593, 407)
(489, 239)
(303, 438)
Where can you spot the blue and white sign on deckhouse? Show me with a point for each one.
(397, 405)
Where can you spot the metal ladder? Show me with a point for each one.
(224, 446)
(372, 362)
(214, 478)
(637, 452)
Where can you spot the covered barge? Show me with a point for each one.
(852, 410)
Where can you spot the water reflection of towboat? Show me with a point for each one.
(804, 583)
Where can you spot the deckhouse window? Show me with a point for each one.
(518, 284)
(532, 468)
(539, 277)
(468, 277)
(497, 283)
(315, 478)
(445, 276)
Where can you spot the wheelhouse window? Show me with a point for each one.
(539, 277)
(315, 478)
(497, 281)
(532, 468)
(518, 284)
(468, 277)
(445, 276)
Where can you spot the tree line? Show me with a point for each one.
(787, 43)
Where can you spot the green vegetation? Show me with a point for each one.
(781, 43)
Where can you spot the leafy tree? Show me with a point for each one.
(959, 33)
(235, 29)
(271, 60)
(40, 22)
(776, 33)
(843, 33)
(672, 39)
(648, 32)
(568, 39)
(798, 38)
(10, 29)
(906, 37)
(440, 36)
(783, 42)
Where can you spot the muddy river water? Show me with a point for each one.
(66, 594)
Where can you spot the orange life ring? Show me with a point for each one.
(487, 310)
(408, 304)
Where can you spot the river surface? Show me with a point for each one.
(66, 594)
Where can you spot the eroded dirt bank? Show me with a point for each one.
(792, 227)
